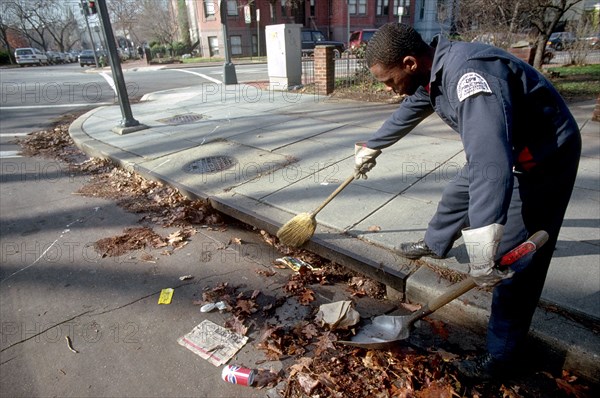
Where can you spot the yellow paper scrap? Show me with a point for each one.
(165, 296)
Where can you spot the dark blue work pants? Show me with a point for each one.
(539, 202)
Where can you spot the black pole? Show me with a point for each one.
(229, 76)
(86, 13)
(128, 123)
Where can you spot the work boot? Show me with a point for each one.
(416, 250)
(485, 368)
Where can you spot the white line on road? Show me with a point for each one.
(110, 81)
(9, 154)
(54, 106)
(14, 134)
(199, 74)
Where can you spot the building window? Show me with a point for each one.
(422, 10)
(362, 7)
(236, 45)
(254, 45)
(232, 8)
(283, 8)
(403, 8)
(312, 7)
(382, 7)
(209, 8)
(213, 46)
(357, 7)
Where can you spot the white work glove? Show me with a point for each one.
(364, 160)
(482, 246)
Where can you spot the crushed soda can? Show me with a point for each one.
(238, 375)
(220, 305)
(294, 263)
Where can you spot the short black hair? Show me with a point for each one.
(392, 42)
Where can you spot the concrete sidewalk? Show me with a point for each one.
(264, 156)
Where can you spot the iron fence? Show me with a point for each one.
(349, 72)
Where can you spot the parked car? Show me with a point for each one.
(30, 56)
(561, 40)
(359, 38)
(86, 57)
(592, 41)
(313, 38)
(123, 54)
(56, 57)
(73, 56)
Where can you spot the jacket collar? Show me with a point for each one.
(442, 47)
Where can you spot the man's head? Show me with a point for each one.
(398, 57)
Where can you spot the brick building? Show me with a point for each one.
(335, 18)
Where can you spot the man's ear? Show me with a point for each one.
(410, 64)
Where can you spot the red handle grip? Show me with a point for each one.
(536, 241)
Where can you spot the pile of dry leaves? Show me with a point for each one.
(317, 365)
(159, 203)
(54, 142)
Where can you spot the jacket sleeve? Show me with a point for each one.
(485, 126)
(410, 113)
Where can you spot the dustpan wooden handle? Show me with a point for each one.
(333, 195)
(534, 242)
(456, 290)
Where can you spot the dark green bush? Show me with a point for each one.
(4, 57)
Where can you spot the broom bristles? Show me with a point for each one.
(298, 230)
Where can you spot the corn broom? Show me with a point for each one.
(302, 227)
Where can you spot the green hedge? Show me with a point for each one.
(4, 57)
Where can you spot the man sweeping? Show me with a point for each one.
(522, 147)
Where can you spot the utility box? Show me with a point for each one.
(284, 55)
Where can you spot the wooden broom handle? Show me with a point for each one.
(333, 195)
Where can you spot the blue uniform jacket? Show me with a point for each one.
(507, 114)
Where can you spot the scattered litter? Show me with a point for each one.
(324, 183)
(220, 305)
(70, 345)
(238, 375)
(186, 277)
(212, 342)
(338, 315)
(294, 263)
(165, 296)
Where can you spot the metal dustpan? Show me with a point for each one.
(384, 330)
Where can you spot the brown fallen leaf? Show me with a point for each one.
(325, 342)
(245, 307)
(307, 383)
(374, 228)
(236, 324)
(300, 365)
(443, 390)
(306, 296)
(310, 330)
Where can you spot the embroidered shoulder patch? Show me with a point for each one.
(470, 84)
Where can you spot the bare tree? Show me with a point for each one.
(29, 23)
(127, 17)
(506, 21)
(160, 23)
(6, 24)
(46, 21)
(545, 16)
(61, 25)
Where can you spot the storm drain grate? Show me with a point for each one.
(185, 118)
(210, 164)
